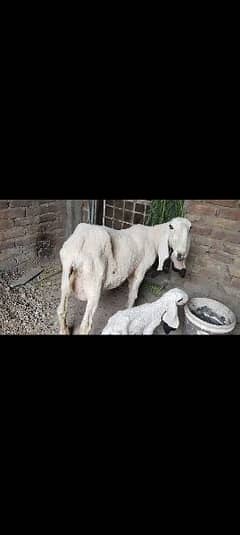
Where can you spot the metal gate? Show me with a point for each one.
(100, 212)
(95, 211)
(99, 207)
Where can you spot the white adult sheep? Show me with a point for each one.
(144, 319)
(97, 258)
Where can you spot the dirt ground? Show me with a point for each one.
(31, 308)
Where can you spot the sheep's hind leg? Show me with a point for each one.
(134, 283)
(93, 293)
(91, 308)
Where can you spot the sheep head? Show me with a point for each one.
(175, 244)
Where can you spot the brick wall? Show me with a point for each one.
(30, 229)
(38, 228)
(124, 213)
(215, 251)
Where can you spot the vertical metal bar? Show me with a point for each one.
(95, 212)
(104, 212)
(89, 211)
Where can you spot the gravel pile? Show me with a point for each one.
(29, 309)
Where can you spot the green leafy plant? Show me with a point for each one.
(162, 211)
(154, 288)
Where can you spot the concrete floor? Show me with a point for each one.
(32, 308)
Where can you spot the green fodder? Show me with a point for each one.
(162, 211)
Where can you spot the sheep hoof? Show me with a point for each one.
(65, 330)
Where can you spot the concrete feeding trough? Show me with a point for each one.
(207, 316)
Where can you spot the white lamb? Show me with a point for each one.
(97, 258)
(144, 319)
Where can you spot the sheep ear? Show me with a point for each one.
(163, 251)
(171, 316)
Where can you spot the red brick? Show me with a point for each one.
(204, 240)
(6, 223)
(32, 211)
(11, 213)
(11, 233)
(230, 213)
(230, 203)
(227, 224)
(46, 227)
(199, 249)
(202, 231)
(46, 208)
(205, 209)
(231, 248)
(227, 236)
(25, 221)
(20, 202)
(193, 217)
(210, 221)
(32, 231)
(47, 217)
(61, 204)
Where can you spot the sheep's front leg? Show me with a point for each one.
(62, 309)
(62, 313)
(91, 308)
(151, 327)
(134, 283)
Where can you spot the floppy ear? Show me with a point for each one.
(170, 317)
(163, 249)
